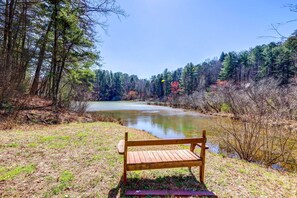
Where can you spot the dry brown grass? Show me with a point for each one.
(80, 160)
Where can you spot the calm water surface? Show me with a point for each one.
(162, 122)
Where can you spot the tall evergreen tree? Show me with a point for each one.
(230, 63)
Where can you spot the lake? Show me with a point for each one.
(167, 122)
(160, 121)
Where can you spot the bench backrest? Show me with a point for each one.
(164, 142)
(129, 143)
(201, 142)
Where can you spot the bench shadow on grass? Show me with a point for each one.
(186, 182)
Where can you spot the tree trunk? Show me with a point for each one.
(54, 59)
(6, 82)
(34, 87)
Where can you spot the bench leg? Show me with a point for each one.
(125, 177)
(201, 174)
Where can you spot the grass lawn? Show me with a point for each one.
(81, 160)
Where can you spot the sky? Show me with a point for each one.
(159, 34)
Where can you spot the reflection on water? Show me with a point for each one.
(162, 122)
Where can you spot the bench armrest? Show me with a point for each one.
(121, 147)
(200, 145)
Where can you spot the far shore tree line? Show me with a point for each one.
(277, 61)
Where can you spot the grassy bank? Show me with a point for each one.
(81, 160)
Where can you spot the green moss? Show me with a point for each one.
(12, 145)
(103, 148)
(45, 139)
(32, 145)
(66, 176)
(97, 157)
(57, 145)
(82, 135)
(49, 178)
(7, 174)
(244, 171)
(63, 138)
(65, 180)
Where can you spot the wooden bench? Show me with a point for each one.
(157, 159)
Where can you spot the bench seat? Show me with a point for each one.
(142, 160)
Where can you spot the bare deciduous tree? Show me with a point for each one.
(261, 130)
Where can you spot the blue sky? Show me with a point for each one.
(161, 34)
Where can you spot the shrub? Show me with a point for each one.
(225, 108)
(259, 132)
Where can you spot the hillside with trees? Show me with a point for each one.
(276, 61)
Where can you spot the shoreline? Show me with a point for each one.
(285, 123)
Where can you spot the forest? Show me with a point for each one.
(48, 47)
(276, 61)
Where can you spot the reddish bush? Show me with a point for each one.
(132, 95)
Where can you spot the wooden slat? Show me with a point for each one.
(152, 157)
(161, 156)
(190, 157)
(121, 147)
(142, 158)
(182, 155)
(169, 193)
(194, 155)
(136, 157)
(131, 159)
(146, 156)
(166, 156)
(186, 155)
(157, 157)
(173, 157)
(176, 155)
(164, 142)
(159, 165)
